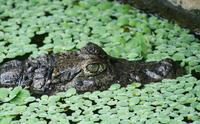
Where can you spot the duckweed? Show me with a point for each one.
(153, 105)
(37, 27)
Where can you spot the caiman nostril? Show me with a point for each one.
(79, 83)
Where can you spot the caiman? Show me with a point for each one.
(87, 69)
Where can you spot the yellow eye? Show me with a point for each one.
(96, 67)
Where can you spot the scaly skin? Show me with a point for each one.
(88, 69)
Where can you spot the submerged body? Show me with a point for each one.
(88, 69)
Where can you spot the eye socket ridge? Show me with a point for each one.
(96, 67)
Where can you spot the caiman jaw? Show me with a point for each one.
(122, 70)
(145, 72)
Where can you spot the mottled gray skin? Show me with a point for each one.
(88, 69)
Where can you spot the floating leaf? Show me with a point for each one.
(198, 107)
(163, 118)
(6, 120)
(114, 87)
(123, 20)
(3, 94)
(70, 92)
(14, 93)
(178, 56)
(29, 99)
(20, 97)
(134, 101)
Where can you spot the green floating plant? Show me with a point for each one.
(16, 96)
(102, 107)
(123, 32)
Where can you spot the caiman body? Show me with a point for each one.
(87, 69)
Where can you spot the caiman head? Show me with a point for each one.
(87, 69)
(90, 69)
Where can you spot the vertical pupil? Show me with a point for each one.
(101, 68)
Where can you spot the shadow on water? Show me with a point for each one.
(196, 74)
(38, 39)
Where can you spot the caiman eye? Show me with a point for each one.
(96, 67)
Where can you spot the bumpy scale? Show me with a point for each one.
(87, 69)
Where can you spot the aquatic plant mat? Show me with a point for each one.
(37, 27)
